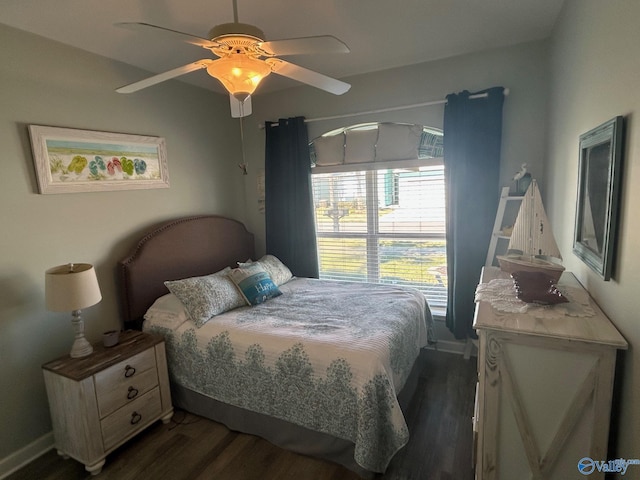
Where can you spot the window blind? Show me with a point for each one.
(384, 225)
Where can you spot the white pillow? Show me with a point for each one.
(167, 311)
(277, 270)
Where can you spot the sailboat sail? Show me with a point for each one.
(532, 239)
(532, 233)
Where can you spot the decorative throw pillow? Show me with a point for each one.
(205, 297)
(254, 283)
(277, 270)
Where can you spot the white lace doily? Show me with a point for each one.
(501, 294)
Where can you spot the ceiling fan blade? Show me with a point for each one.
(303, 45)
(161, 77)
(309, 77)
(169, 34)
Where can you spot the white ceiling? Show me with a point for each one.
(380, 33)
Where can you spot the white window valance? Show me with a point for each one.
(398, 142)
(360, 145)
(329, 150)
(375, 143)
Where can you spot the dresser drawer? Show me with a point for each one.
(130, 418)
(121, 375)
(127, 391)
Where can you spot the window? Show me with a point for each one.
(384, 224)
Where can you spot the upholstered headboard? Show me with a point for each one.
(181, 248)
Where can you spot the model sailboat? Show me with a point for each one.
(532, 246)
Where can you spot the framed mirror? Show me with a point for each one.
(598, 196)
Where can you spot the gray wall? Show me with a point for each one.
(522, 69)
(594, 77)
(50, 84)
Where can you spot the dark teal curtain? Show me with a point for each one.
(472, 138)
(289, 217)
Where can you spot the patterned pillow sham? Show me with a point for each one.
(254, 283)
(277, 270)
(205, 297)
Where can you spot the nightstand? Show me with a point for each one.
(100, 401)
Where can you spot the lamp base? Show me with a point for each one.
(81, 347)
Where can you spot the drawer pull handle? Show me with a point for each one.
(129, 371)
(132, 393)
(135, 418)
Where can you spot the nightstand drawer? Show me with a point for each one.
(123, 373)
(131, 418)
(126, 391)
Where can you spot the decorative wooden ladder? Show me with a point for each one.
(497, 233)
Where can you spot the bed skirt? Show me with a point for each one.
(285, 434)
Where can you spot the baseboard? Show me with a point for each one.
(22, 457)
(466, 348)
(449, 346)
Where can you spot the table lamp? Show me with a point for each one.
(70, 288)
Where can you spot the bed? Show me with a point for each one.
(330, 383)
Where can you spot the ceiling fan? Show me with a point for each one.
(244, 59)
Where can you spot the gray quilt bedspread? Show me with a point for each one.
(329, 356)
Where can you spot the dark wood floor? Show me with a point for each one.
(193, 448)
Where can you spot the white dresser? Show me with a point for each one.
(545, 384)
(100, 401)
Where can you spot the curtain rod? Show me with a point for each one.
(388, 109)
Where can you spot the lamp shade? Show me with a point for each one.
(71, 287)
(239, 73)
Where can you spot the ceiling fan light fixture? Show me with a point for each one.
(239, 73)
(244, 58)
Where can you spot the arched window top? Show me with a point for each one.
(373, 143)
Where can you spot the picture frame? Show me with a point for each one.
(70, 160)
(599, 179)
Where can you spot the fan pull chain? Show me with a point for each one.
(243, 166)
